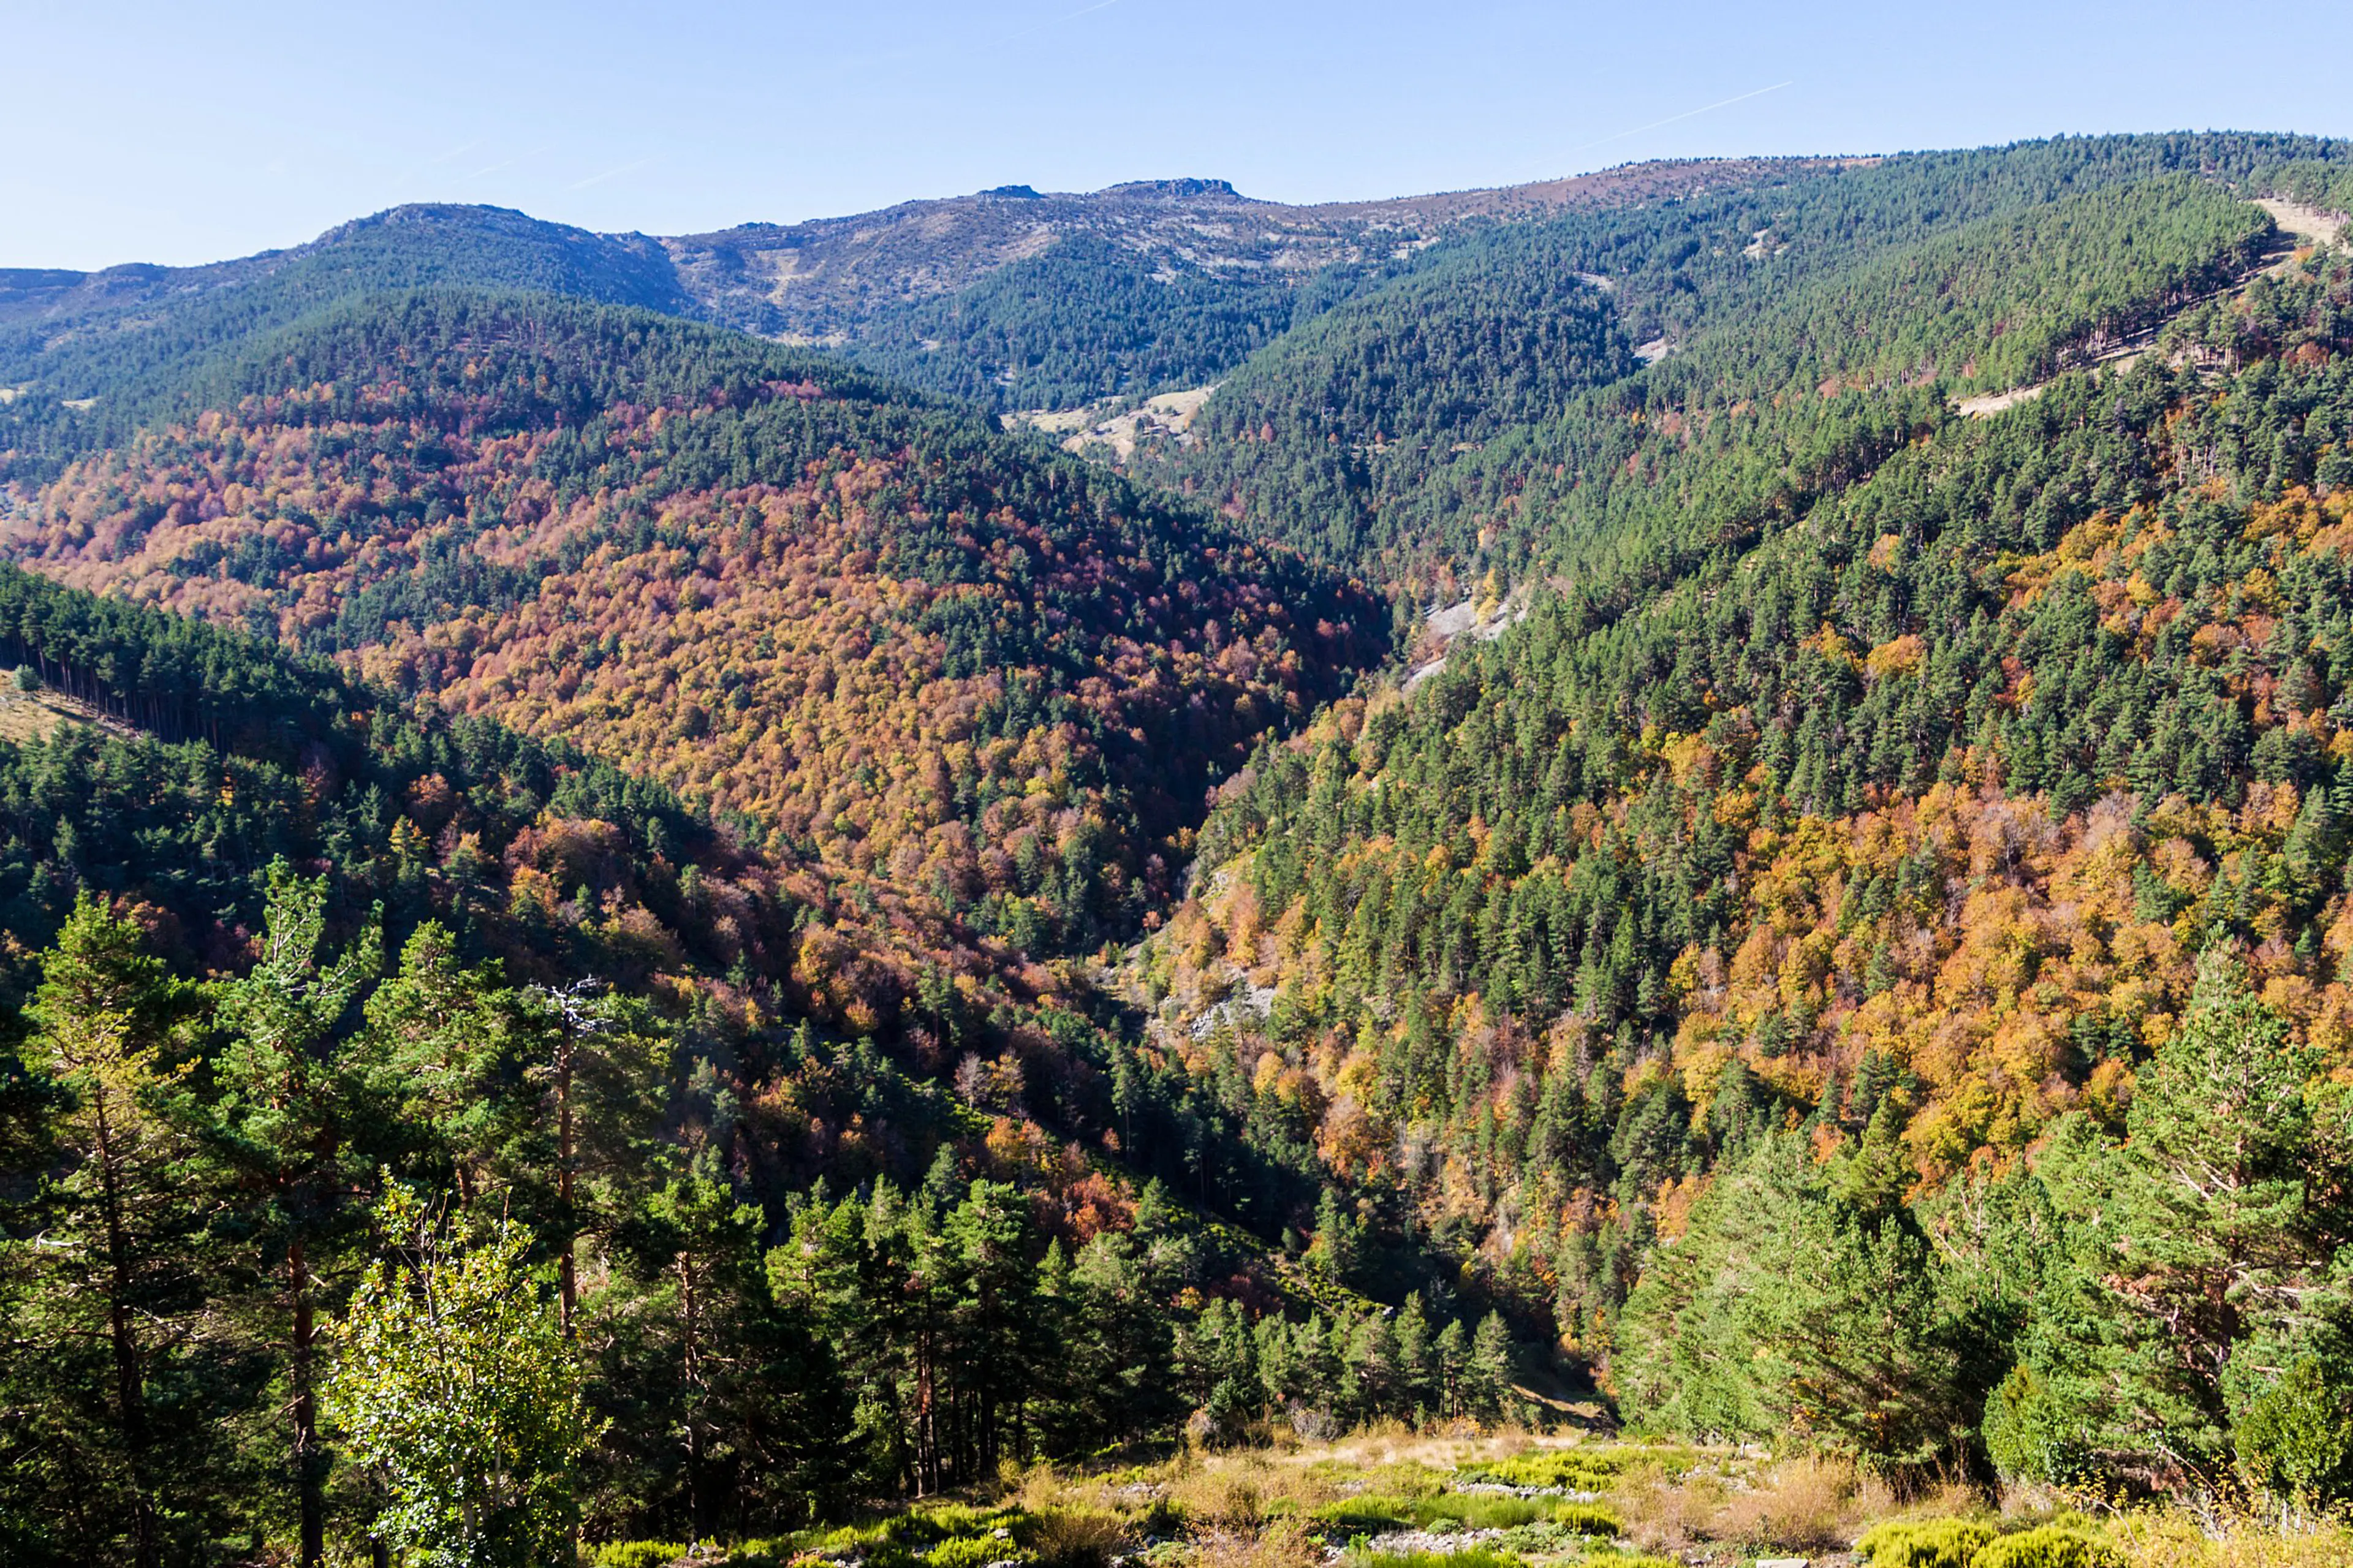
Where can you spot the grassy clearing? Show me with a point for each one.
(1398, 1502)
(37, 715)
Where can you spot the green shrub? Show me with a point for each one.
(1575, 1529)
(1924, 1543)
(1541, 1539)
(1364, 1514)
(1476, 1513)
(1470, 1557)
(954, 1519)
(1555, 1517)
(2051, 1546)
(641, 1553)
(2029, 1433)
(840, 1538)
(2295, 1441)
(1369, 1513)
(977, 1551)
(1586, 1519)
(1575, 1470)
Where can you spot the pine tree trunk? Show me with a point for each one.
(310, 1460)
(927, 1461)
(130, 1391)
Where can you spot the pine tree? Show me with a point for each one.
(1338, 1247)
(1490, 1376)
(1416, 1377)
(996, 1344)
(121, 1229)
(1452, 1355)
(288, 1111)
(2206, 1262)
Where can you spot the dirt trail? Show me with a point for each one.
(1986, 403)
(2308, 224)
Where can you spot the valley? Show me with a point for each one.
(1149, 877)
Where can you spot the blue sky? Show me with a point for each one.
(188, 133)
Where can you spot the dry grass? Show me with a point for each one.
(35, 716)
(2170, 1539)
(1043, 1486)
(1283, 1545)
(1087, 1538)
(1805, 1504)
(1229, 1493)
(1254, 1507)
(1666, 1515)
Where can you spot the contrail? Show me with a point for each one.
(1670, 119)
(430, 164)
(511, 163)
(617, 169)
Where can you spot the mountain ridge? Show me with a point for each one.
(824, 281)
(29, 292)
(818, 266)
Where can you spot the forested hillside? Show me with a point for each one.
(282, 943)
(1814, 308)
(89, 359)
(1837, 899)
(301, 951)
(822, 951)
(872, 630)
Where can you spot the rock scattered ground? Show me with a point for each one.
(1168, 413)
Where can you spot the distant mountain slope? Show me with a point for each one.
(1823, 308)
(1008, 297)
(1028, 300)
(1033, 302)
(822, 277)
(406, 247)
(1087, 319)
(876, 631)
(90, 357)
